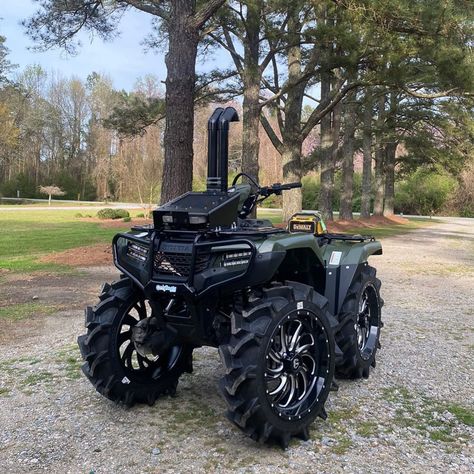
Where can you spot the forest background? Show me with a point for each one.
(369, 103)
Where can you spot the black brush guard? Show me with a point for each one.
(145, 275)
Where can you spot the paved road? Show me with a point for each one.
(22, 207)
(412, 415)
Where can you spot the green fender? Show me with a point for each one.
(285, 242)
(350, 253)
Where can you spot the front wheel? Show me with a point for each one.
(279, 362)
(112, 363)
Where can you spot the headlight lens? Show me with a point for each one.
(236, 259)
(137, 252)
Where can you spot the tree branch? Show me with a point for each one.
(436, 95)
(205, 12)
(326, 107)
(276, 142)
(153, 8)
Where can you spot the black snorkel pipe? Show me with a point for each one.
(213, 178)
(229, 115)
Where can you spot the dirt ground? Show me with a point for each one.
(414, 414)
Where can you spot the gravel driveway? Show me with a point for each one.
(414, 414)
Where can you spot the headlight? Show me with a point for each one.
(137, 252)
(235, 259)
(197, 219)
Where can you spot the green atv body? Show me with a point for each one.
(287, 310)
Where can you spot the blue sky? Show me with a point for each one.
(124, 59)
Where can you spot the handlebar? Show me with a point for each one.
(262, 193)
(277, 188)
(284, 187)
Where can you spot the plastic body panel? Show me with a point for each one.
(328, 265)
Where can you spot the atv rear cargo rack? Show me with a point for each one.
(349, 237)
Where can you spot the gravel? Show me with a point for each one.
(414, 414)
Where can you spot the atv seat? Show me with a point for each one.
(254, 223)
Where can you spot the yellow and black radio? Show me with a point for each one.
(311, 223)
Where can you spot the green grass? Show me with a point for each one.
(17, 312)
(423, 414)
(26, 236)
(37, 378)
(463, 414)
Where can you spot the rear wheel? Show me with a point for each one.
(279, 362)
(112, 363)
(361, 321)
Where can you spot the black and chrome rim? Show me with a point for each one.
(297, 365)
(136, 365)
(367, 322)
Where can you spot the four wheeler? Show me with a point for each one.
(286, 308)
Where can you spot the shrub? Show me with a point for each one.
(424, 192)
(78, 215)
(127, 219)
(109, 213)
(140, 214)
(311, 190)
(462, 199)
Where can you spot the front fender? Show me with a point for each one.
(344, 261)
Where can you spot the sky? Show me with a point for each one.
(123, 60)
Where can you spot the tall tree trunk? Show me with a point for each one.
(378, 179)
(292, 200)
(251, 96)
(390, 154)
(292, 172)
(379, 160)
(345, 210)
(367, 160)
(180, 81)
(325, 197)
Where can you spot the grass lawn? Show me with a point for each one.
(20, 311)
(26, 236)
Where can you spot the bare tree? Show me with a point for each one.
(57, 23)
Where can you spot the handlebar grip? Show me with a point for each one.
(287, 186)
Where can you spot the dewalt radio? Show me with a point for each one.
(311, 223)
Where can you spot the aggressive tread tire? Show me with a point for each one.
(243, 385)
(351, 364)
(102, 364)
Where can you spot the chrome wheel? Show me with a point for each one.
(297, 364)
(367, 322)
(135, 364)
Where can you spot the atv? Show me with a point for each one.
(288, 309)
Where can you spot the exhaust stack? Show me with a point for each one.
(218, 148)
(213, 181)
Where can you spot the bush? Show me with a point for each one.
(140, 214)
(127, 219)
(311, 191)
(461, 202)
(424, 192)
(109, 213)
(78, 215)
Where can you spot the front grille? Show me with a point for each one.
(179, 264)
